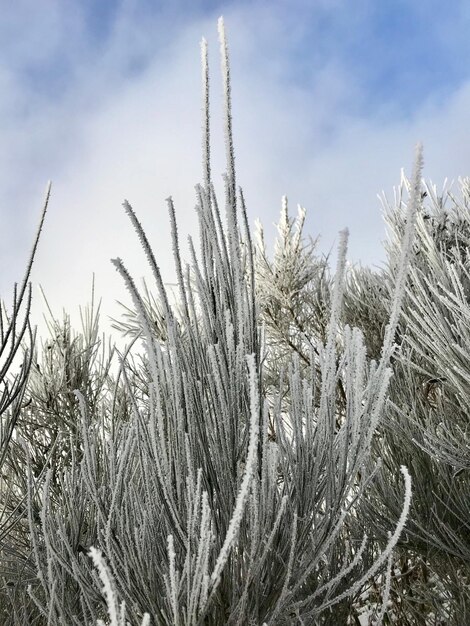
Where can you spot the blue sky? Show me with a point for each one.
(329, 99)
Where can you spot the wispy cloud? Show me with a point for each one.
(329, 100)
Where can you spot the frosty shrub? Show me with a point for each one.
(426, 423)
(66, 362)
(190, 489)
(17, 340)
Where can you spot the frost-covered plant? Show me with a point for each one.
(50, 438)
(16, 336)
(294, 297)
(427, 427)
(15, 333)
(335, 454)
(181, 498)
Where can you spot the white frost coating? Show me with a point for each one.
(285, 586)
(249, 470)
(110, 593)
(299, 224)
(173, 582)
(389, 548)
(386, 592)
(108, 590)
(228, 104)
(142, 316)
(206, 159)
(415, 195)
(328, 383)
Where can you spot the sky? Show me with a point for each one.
(103, 98)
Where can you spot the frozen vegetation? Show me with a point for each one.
(285, 445)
